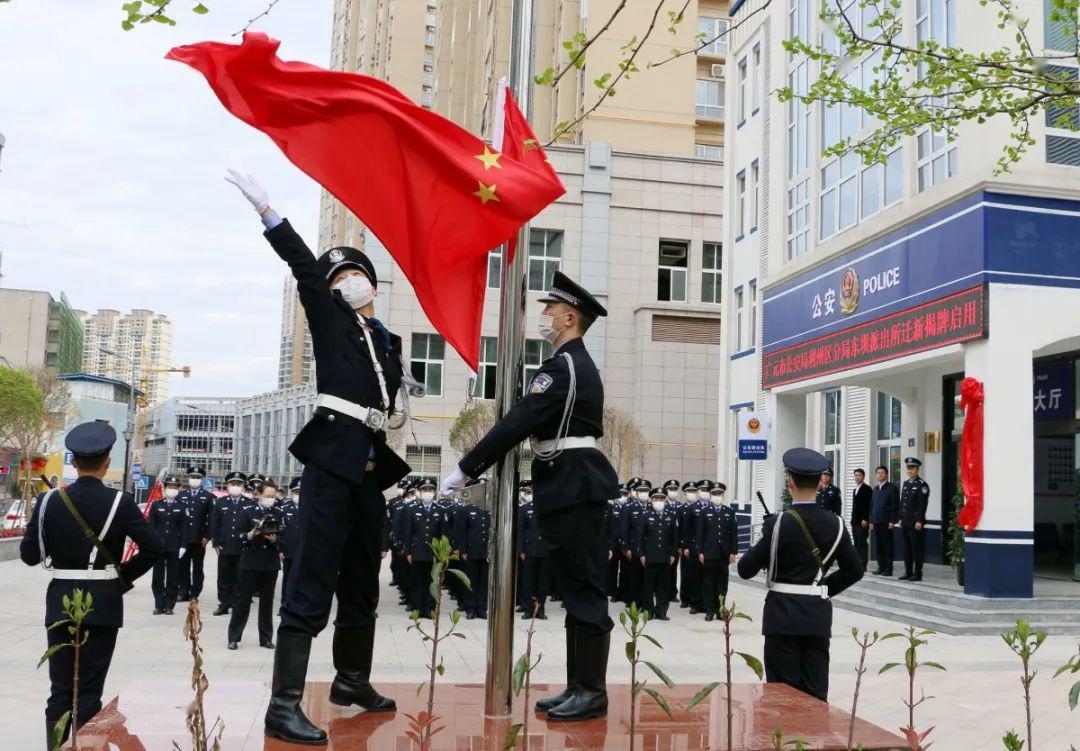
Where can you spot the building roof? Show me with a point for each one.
(98, 379)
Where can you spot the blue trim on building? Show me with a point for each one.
(1000, 534)
(741, 405)
(744, 353)
(999, 570)
(735, 8)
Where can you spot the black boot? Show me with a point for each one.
(284, 718)
(590, 699)
(571, 676)
(353, 650)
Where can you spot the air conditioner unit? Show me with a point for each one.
(716, 70)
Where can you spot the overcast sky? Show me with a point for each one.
(111, 183)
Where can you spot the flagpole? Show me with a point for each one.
(498, 687)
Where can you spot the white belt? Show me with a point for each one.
(82, 574)
(570, 442)
(814, 590)
(373, 418)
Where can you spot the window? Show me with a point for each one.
(424, 460)
(852, 191)
(709, 99)
(755, 79)
(798, 219)
(832, 438)
(711, 272)
(494, 269)
(738, 318)
(429, 37)
(545, 257)
(709, 151)
(672, 270)
(753, 196)
(536, 351)
(753, 314)
(740, 206)
(713, 31)
(798, 164)
(484, 386)
(428, 351)
(889, 431)
(742, 91)
(935, 21)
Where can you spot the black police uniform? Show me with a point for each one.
(674, 507)
(716, 538)
(687, 513)
(259, 566)
(347, 466)
(69, 548)
(633, 572)
(289, 537)
(474, 551)
(830, 498)
(914, 499)
(612, 524)
(571, 491)
(424, 523)
(535, 583)
(223, 530)
(197, 505)
(167, 519)
(883, 513)
(657, 543)
(797, 626)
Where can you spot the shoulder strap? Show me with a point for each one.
(46, 561)
(814, 549)
(93, 538)
(105, 529)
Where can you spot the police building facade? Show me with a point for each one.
(860, 296)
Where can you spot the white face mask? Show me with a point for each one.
(236, 491)
(411, 497)
(171, 493)
(266, 502)
(545, 326)
(642, 495)
(296, 497)
(691, 495)
(528, 498)
(356, 289)
(658, 505)
(194, 483)
(718, 499)
(427, 496)
(672, 495)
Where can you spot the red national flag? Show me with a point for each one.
(435, 195)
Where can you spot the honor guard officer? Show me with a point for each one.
(563, 411)
(534, 554)
(78, 533)
(167, 519)
(197, 504)
(424, 522)
(716, 540)
(797, 548)
(347, 466)
(634, 572)
(259, 527)
(828, 495)
(657, 545)
(474, 553)
(289, 537)
(223, 532)
(914, 498)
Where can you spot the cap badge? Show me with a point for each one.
(336, 255)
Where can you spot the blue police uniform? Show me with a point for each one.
(656, 546)
(914, 500)
(259, 532)
(224, 518)
(198, 505)
(167, 519)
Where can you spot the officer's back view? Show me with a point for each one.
(78, 532)
(797, 547)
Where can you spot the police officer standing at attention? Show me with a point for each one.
(259, 527)
(562, 411)
(633, 571)
(534, 553)
(657, 546)
(716, 541)
(474, 554)
(828, 495)
(914, 498)
(797, 548)
(167, 519)
(78, 534)
(197, 504)
(289, 537)
(612, 524)
(347, 466)
(423, 523)
(223, 532)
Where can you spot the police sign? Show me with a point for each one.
(753, 435)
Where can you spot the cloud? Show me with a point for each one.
(112, 187)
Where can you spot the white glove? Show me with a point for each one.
(182, 551)
(453, 482)
(252, 191)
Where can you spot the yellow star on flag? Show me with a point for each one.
(489, 158)
(485, 193)
(530, 144)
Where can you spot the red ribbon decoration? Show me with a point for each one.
(971, 452)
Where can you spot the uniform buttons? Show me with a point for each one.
(331, 417)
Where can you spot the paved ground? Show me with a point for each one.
(973, 703)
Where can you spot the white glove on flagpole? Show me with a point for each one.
(454, 481)
(251, 189)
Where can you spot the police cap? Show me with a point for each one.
(235, 476)
(911, 461)
(658, 492)
(643, 485)
(633, 482)
(623, 489)
(426, 482)
(671, 485)
(525, 484)
(294, 484)
(196, 472)
(344, 257)
(827, 472)
(689, 485)
(719, 486)
(804, 461)
(171, 480)
(91, 439)
(705, 485)
(566, 290)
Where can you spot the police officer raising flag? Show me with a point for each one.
(562, 411)
(797, 548)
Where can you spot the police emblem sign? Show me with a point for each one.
(753, 435)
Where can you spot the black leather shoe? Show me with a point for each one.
(879, 572)
(904, 578)
(684, 605)
(234, 645)
(169, 611)
(222, 610)
(916, 578)
(266, 644)
(590, 699)
(663, 618)
(353, 650)
(284, 718)
(710, 617)
(571, 677)
(470, 616)
(158, 611)
(541, 616)
(694, 611)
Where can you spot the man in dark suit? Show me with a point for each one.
(883, 510)
(563, 411)
(56, 539)
(197, 504)
(347, 466)
(861, 501)
(797, 617)
(258, 530)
